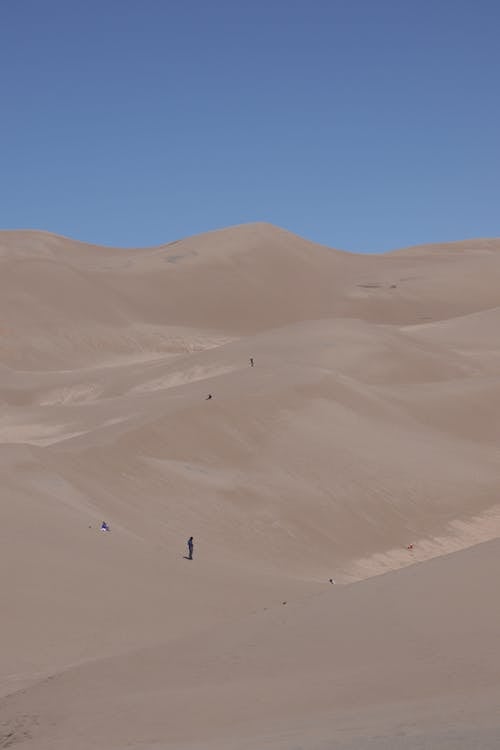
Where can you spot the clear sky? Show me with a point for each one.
(362, 124)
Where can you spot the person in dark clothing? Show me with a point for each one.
(190, 548)
(208, 397)
(251, 362)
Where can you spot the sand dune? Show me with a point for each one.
(367, 425)
(408, 660)
(99, 304)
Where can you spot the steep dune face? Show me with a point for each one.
(363, 440)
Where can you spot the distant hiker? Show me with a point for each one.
(208, 397)
(190, 548)
(410, 546)
(251, 361)
(104, 526)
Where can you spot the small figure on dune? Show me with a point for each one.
(331, 580)
(208, 397)
(190, 548)
(410, 546)
(251, 362)
(105, 526)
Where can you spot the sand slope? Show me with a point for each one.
(368, 424)
(412, 656)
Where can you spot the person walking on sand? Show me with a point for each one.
(190, 548)
(209, 397)
(251, 362)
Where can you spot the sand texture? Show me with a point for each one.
(362, 447)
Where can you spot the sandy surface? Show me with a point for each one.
(368, 425)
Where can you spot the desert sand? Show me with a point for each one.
(362, 447)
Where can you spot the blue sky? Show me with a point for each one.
(362, 124)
